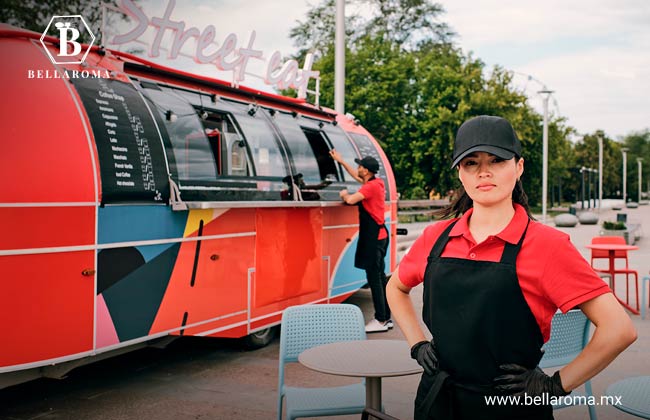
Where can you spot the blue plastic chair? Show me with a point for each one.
(307, 326)
(569, 335)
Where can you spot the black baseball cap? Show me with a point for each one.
(489, 134)
(370, 163)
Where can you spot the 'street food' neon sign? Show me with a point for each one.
(226, 57)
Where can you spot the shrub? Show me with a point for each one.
(614, 225)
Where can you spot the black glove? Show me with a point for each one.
(534, 382)
(424, 353)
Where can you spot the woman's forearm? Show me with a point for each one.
(403, 311)
(614, 333)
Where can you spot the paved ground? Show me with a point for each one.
(216, 379)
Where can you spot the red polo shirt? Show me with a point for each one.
(552, 273)
(373, 193)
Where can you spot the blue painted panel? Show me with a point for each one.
(348, 278)
(139, 223)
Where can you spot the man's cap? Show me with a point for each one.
(370, 163)
(488, 134)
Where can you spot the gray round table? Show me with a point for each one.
(632, 395)
(371, 359)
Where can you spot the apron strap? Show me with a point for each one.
(440, 244)
(510, 251)
(424, 410)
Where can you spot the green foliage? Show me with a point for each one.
(36, 15)
(411, 87)
(614, 225)
(638, 144)
(416, 193)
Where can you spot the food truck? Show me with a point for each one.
(139, 203)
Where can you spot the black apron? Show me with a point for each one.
(368, 232)
(479, 319)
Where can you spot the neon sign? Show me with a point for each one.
(226, 57)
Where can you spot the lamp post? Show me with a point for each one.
(546, 94)
(339, 58)
(600, 172)
(589, 188)
(582, 186)
(624, 151)
(595, 186)
(638, 161)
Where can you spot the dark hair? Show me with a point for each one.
(461, 202)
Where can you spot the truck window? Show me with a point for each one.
(320, 147)
(261, 141)
(227, 144)
(307, 157)
(192, 148)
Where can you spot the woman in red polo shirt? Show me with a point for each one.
(493, 278)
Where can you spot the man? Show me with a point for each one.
(373, 235)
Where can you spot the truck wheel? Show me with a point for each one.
(259, 338)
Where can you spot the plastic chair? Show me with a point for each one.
(569, 335)
(307, 326)
(601, 254)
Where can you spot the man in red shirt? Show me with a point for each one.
(373, 235)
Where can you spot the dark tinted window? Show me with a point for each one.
(192, 149)
(228, 145)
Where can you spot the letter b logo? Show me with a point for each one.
(67, 35)
(69, 32)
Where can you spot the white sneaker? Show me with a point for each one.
(389, 324)
(376, 326)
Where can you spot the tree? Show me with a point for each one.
(402, 22)
(638, 144)
(36, 15)
(407, 23)
(412, 89)
(316, 33)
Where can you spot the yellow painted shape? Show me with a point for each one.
(195, 217)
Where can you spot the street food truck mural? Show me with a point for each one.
(140, 203)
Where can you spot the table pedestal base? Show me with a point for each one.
(373, 393)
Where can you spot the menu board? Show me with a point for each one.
(131, 156)
(367, 148)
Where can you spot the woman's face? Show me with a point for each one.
(488, 179)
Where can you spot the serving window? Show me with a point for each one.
(320, 146)
(264, 146)
(192, 148)
(227, 144)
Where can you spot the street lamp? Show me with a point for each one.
(600, 172)
(582, 187)
(638, 161)
(595, 171)
(624, 151)
(588, 188)
(339, 58)
(545, 94)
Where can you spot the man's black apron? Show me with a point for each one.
(479, 319)
(368, 232)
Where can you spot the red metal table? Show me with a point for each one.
(611, 252)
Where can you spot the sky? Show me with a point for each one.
(593, 54)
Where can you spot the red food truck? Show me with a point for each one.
(140, 203)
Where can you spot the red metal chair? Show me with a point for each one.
(618, 255)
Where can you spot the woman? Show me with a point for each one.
(493, 279)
